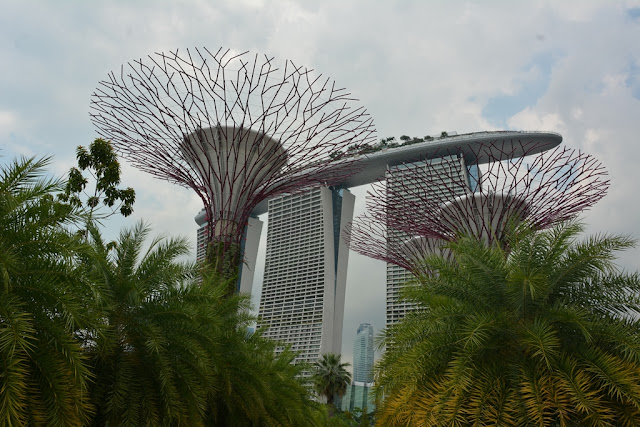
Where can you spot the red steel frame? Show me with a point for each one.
(542, 190)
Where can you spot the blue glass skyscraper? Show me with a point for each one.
(363, 354)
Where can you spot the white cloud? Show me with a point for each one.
(577, 113)
(8, 121)
(530, 119)
(10, 135)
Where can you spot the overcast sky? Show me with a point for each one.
(419, 68)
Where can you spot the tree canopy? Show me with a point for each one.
(43, 374)
(101, 162)
(125, 333)
(331, 377)
(541, 333)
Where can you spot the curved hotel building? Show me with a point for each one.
(303, 291)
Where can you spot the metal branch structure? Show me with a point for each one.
(424, 205)
(234, 127)
(370, 236)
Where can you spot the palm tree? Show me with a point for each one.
(111, 334)
(152, 363)
(259, 387)
(175, 350)
(542, 334)
(43, 374)
(331, 378)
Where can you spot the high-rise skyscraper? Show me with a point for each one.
(359, 392)
(302, 300)
(363, 354)
(358, 395)
(460, 178)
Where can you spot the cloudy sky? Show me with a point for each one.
(419, 67)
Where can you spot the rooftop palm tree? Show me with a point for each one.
(43, 374)
(544, 333)
(331, 378)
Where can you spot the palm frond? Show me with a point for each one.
(539, 331)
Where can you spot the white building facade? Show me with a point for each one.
(302, 300)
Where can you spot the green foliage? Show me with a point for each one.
(542, 334)
(101, 162)
(100, 334)
(176, 351)
(389, 142)
(259, 388)
(331, 378)
(350, 419)
(364, 419)
(43, 375)
(224, 263)
(149, 358)
(342, 419)
(335, 155)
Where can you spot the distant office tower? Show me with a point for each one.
(302, 301)
(358, 395)
(460, 180)
(363, 354)
(249, 245)
(201, 241)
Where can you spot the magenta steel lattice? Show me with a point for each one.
(418, 208)
(234, 127)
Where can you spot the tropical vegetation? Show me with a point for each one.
(540, 331)
(331, 378)
(124, 333)
(44, 377)
(151, 352)
(173, 350)
(389, 142)
(101, 162)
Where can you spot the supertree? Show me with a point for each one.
(234, 127)
(478, 191)
(370, 236)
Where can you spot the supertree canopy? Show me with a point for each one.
(369, 235)
(234, 127)
(476, 191)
